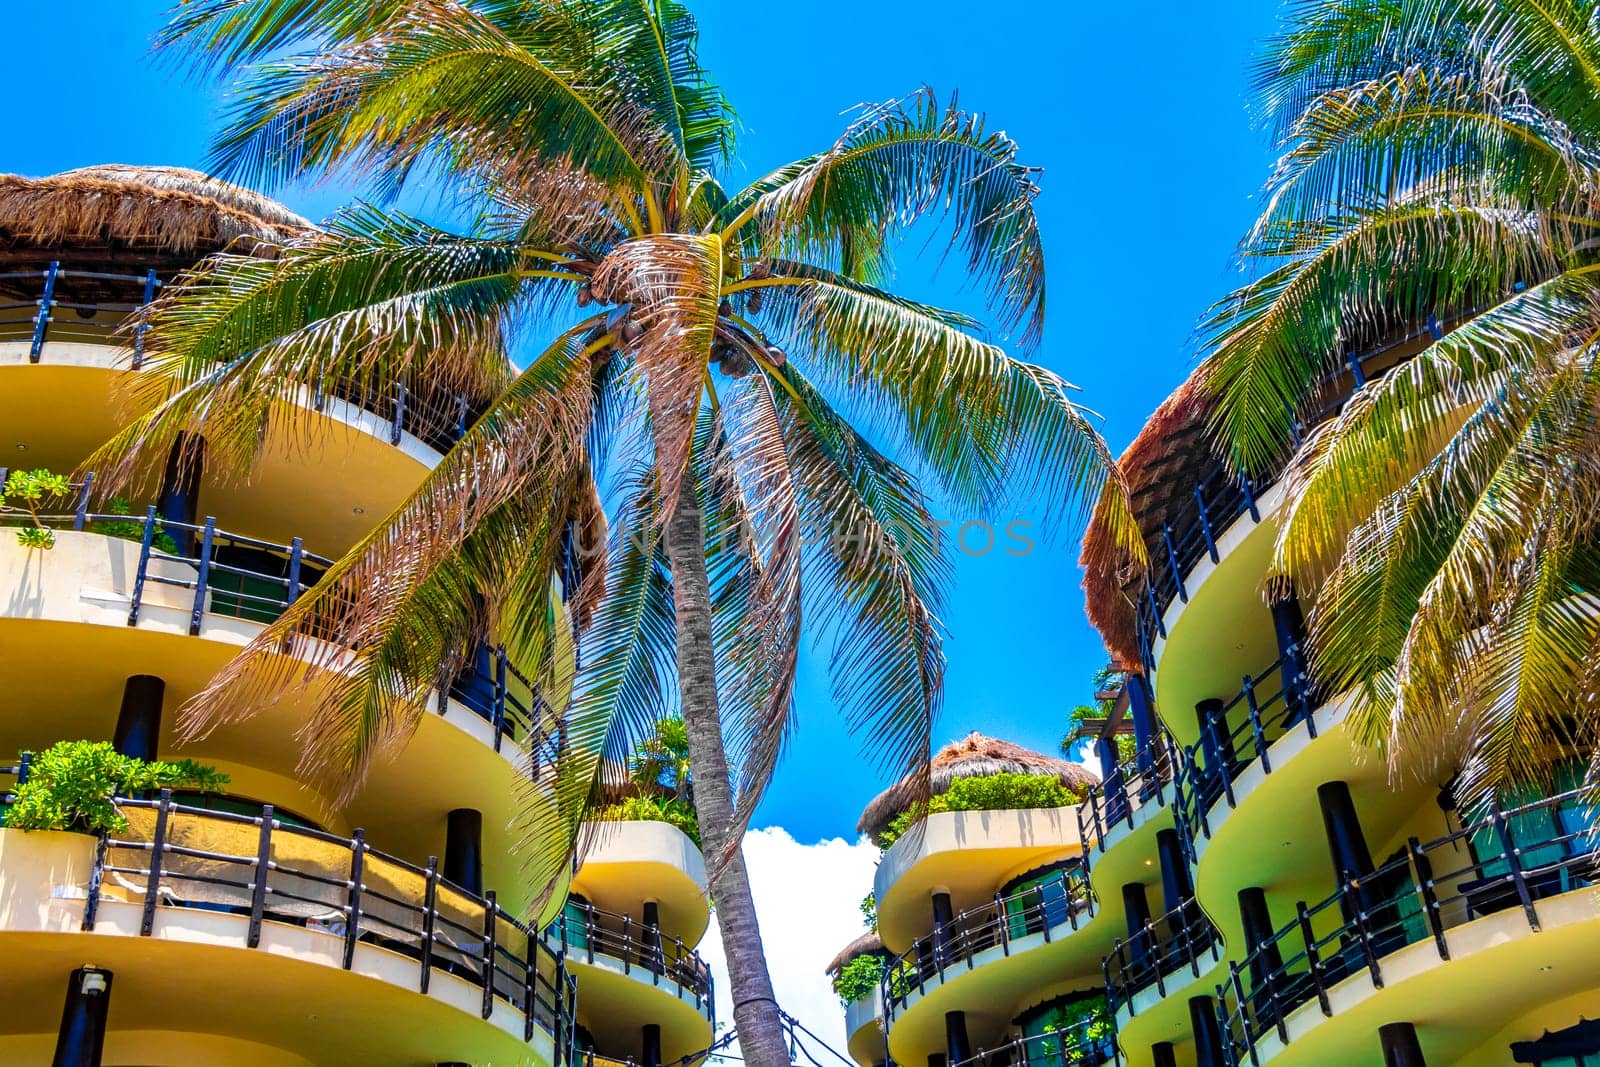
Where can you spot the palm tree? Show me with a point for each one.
(1438, 176)
(691, 338)
(661, 761)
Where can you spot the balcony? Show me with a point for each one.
(1156, 957)
(1030, 918)
(197, 579)
(1049, 1049)
(1130, 797)
(240, 900)
(589, 936)
(57, 307)
(1465, 900)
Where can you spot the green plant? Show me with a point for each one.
(662, 760)
(30, 491)
(1107, 679)
(859, 977)
(131, 529)
(994, 792)
(74, 785)
(869, 911)
(654, 809)
(1086, 1021)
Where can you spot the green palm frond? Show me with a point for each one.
(898, 163)
(246, 342)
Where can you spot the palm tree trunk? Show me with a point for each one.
(755, 1012)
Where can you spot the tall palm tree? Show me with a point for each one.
(1440, 161)
(691, 339)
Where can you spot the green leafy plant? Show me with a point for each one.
(994, 792)
(74, 785)
(131, 529)
(1107, 679)
(1083, 1022)
(859, 977)
(654, 809)
(662, 761)
(29, 491)
(869, 911)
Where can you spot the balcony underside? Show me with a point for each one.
(615, 1003)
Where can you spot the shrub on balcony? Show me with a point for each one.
(74, 785)
(27, 493)
(994, 792)
(859, 978)
(654, 809)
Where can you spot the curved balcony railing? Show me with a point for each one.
(1142, 780)
(1222, 496)
(1182, 939)
(583, 932)
(227, 574)
(1061, 901)
(1056, 1048)
(173, 857)
(94, 306)
(1239, 735)
(1508, 861)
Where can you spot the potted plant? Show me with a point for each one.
(50, 825)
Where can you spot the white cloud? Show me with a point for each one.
(807, 899)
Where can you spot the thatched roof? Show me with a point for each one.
(115, 217)
(1162, 466)
(866, 945)
(974, 756)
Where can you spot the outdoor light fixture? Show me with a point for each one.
(21, 447)
(94, 983)
(358, 510)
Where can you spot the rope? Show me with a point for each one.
(793, 1029)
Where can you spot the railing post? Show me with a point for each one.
(1155, 612)
(1005, 927)
(1249, 496)
(81, 516)
(150, 283)
(1422, 875)
(1514, 861)
(1172, 560)
(41, 321)
(258, 887)
(144, 565)
(24, 768)
(1356, 373)
(158, 843)
(1244, 1014)
(296, 555)
(1257, 734)
(352, 922)
(499, 716)
(97, 873)
(1205, 525)
(398, 425)
(490, 927)
(430, 907)
(207, 543)
(1313, 958)
(530, 990)
(1352, 887)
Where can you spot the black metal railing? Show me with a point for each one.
(227, 574)
(1183, 939)
(173, 857)
(1063, 900)
(95, 307)
(1238, 735)
(1509, 860)
(1222, 496)
(1061, 1048)
(583, 932)
(1143, 780)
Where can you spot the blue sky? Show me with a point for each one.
(1135, 112)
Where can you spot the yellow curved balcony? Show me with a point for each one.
(1463, 934)
(1150, 976)
(863, 1028)
(990, 959)
(85, 594)
(225, 928)
(631, 863)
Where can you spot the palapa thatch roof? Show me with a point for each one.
(974, 756)
(115, 217)
(1162, 466)
(867, 944)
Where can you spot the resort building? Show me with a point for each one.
(991, 940)
(259, 923)
(1259, 886)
